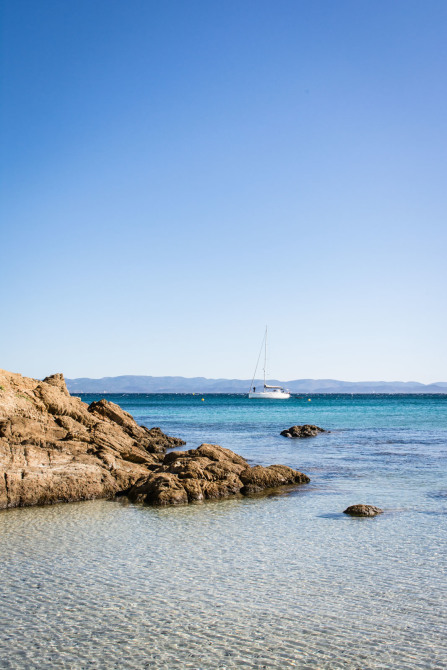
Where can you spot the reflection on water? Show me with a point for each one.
(276, 582)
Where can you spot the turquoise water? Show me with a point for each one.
(277, 582)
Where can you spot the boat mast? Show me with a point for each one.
(265, 352)
(257, 363)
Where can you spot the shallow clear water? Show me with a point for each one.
(269, 582)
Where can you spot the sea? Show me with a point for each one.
(277, 581)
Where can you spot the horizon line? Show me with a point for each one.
(237, 379)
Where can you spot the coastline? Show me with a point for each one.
(55, 448)
(280, 581)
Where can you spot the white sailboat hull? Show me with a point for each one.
(269, 395)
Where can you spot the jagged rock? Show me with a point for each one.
(58, 381)
(208, 472)
(307, 430)
(152, 440)
(363, 510)
(55, 448)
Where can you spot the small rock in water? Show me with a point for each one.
(307, 430)
(363, 510)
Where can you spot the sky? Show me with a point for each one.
(176, 175)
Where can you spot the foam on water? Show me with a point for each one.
(272, 582)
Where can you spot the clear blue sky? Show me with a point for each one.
(175, 175)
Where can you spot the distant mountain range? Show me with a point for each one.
(144, 384)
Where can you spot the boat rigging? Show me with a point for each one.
(268, 391)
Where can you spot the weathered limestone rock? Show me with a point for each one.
(55, 448)
(307, 430)
(363, 510)
(208, 472)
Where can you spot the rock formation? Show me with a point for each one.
(56, 448)
(208, 472)
(363, 510)
(307, 430)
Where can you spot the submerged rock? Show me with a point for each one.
(363, 510)
(208, 472)
(307, 430)
(56, 448)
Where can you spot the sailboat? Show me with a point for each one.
(266, 391)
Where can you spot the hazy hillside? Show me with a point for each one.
(145, 384)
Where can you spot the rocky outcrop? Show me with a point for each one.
(208, 472)
(307, 430)
(363, 510)
(55, 448)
